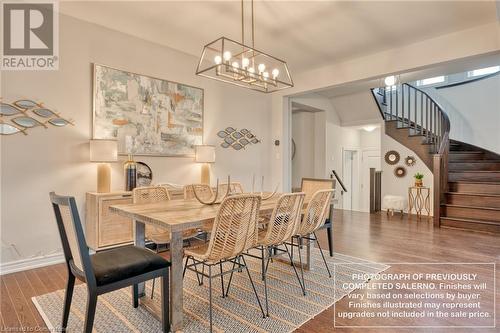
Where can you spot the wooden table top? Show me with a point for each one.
(178, 215)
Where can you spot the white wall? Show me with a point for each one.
(447, 48)
(303, 134)
(392, 185)
(357, 109)
(57, 158)
(474, 111)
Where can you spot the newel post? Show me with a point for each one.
(436, 202)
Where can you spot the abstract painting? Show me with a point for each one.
(159, 117)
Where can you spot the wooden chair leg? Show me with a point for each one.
(165, 302)
(329, 232)
(135, 295)
(89, 316)
(67, 300)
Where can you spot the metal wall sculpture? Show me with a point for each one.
(24, 114)
(236, 139)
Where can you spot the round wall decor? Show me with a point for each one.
(400, 172)
(144, 174)
(410, 161)
(392, 157)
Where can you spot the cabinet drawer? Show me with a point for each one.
(113, 228)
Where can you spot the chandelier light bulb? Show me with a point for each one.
(245, 62)
(275, 73)
(390, 80)
(265, 75)
(218, 60)
(227, 55)
(261, 68)
(235, 64)
(251, 70)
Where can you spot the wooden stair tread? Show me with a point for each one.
(474, 194)
(474, 182)
(466, 152)
(469, 220)
(473, 225)
(471, 207)
(477, 161)
(474, 171)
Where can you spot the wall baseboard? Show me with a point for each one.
(25, 264)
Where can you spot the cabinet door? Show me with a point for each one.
(113, 228)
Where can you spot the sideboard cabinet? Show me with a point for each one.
(104, 229)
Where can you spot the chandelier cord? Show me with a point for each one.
(253, 29)
(243, 24)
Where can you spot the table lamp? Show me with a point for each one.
(103, 152)
(205, 154)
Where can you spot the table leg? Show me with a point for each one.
(176, 291)
(139, 241)
(308, 254)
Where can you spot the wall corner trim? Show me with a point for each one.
(31, 263)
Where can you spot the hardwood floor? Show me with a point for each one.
(374, 237)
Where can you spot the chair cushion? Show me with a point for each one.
(123, 263)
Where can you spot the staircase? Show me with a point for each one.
(472, 200)
(466, 184)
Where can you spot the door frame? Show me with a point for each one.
(358, 151)
(367, 149)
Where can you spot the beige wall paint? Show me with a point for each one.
(357, 109)
(57, 158)
(392, 185)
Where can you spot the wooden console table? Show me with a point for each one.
(419, 200)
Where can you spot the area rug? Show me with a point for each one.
(237, 313)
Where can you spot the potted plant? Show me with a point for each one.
(418, 179)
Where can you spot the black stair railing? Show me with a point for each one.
(414, 109)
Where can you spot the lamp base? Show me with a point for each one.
(205, 173)
(103, 178)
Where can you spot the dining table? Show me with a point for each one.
(177, 216)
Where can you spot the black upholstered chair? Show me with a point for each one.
(105, 271)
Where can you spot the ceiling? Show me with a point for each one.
(456, 66)
(308, 34)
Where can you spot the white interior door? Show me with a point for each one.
(350, 176)
(370, 159)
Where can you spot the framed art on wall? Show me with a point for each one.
(163, 118)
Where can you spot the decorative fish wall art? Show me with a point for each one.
(25, 114)
(236, 139)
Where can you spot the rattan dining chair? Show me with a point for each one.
(310, 186)
(313, 220)
(282, 226)
(234, 188)
(158, 235)
(234, 231)
(203, 191)
(104, 271)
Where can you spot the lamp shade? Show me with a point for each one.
(205, 154)
(103, 151)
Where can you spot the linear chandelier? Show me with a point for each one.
(229, 61)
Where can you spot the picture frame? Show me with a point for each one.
(159, 117)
